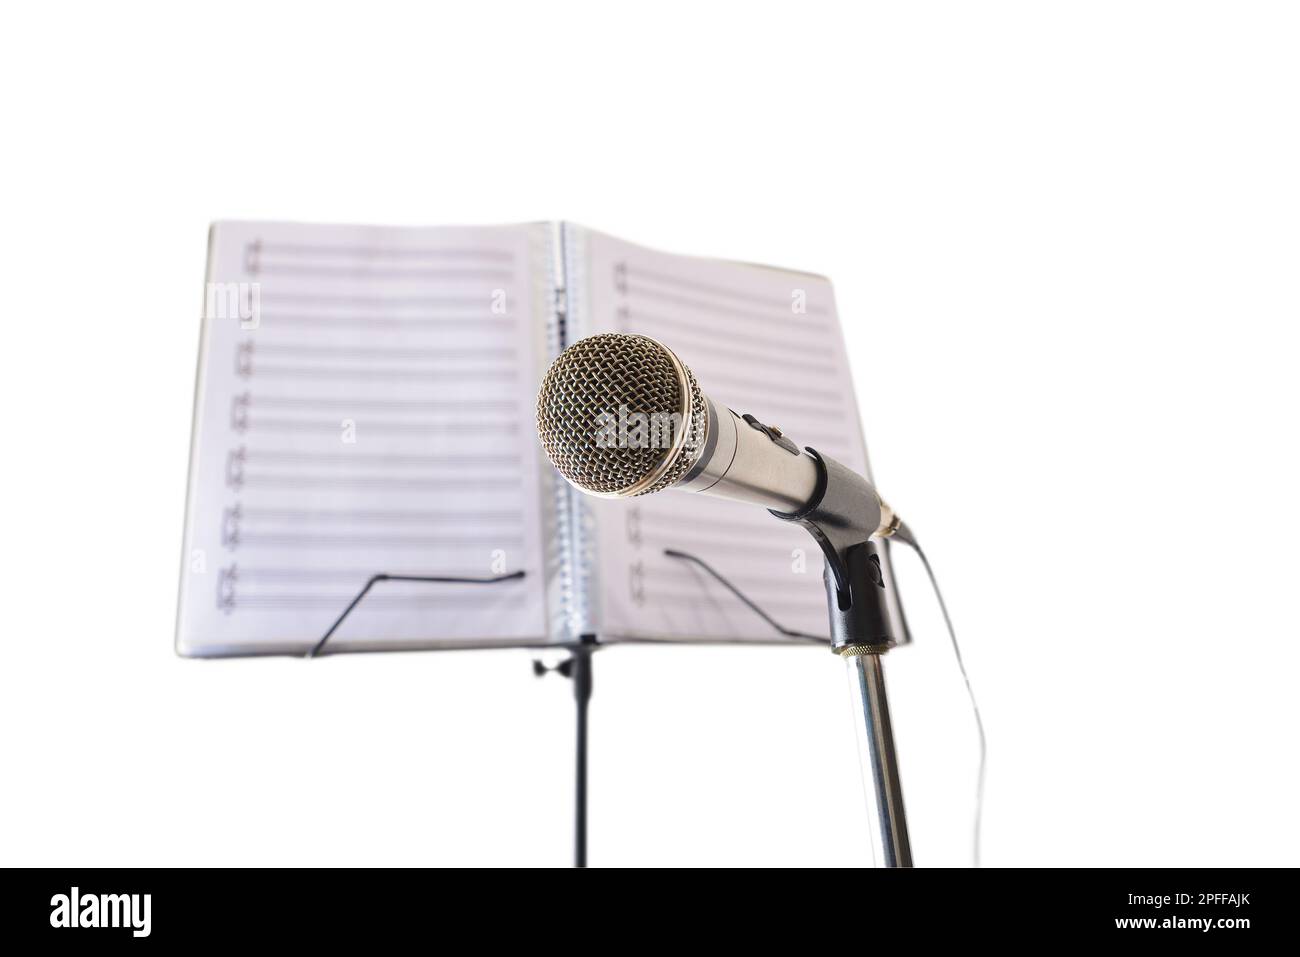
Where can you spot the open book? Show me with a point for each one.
(365, 404)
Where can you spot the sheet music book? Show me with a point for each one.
(365, 403)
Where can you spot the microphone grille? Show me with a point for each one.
(602, 381)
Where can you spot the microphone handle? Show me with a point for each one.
(747, 461)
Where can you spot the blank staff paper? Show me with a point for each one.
(365, 400)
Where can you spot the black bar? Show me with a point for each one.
(582, 684)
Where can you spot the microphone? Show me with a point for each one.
(621, 415)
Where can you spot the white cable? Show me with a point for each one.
(904, 535)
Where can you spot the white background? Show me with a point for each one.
(1065, 242)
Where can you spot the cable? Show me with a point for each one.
(904, 534)
(788, 632)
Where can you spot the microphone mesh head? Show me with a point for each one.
(590, 411)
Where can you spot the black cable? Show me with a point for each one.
(402, 578)
(904, 534)
(788, 632)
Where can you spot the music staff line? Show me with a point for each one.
(249, 370)
(251, 424)
(492, 530)
(262, 249)
(738, 521)
(376, 301)
(429, 274)
(764, 385)
(384, 602)
(243, 464)
(456, 406)
(266, 602)
(351, 577)
(272, 319)
(678, 573)
(735, 541)
(687, 598)
(400, 517)
(354, 457)
(752, 391)
(255, 480)
(629, 272)
(687, 302)
(789, 351)
(245, 539)
(747, 549)
(372, 262)
(667, 599)
(788, 411)
(402, 353)
(788, 315)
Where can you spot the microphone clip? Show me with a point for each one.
(843, 516)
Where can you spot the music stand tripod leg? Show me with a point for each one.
(582, 682)
(577, 668)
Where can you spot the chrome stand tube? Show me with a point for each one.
(884, 790)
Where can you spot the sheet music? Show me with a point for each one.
(759, 340)
(365, 403)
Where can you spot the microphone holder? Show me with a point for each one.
(866, 621)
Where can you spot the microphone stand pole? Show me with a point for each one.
(890, 844)
(842, 516)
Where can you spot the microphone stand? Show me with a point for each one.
(863, 650)
(866, 622)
